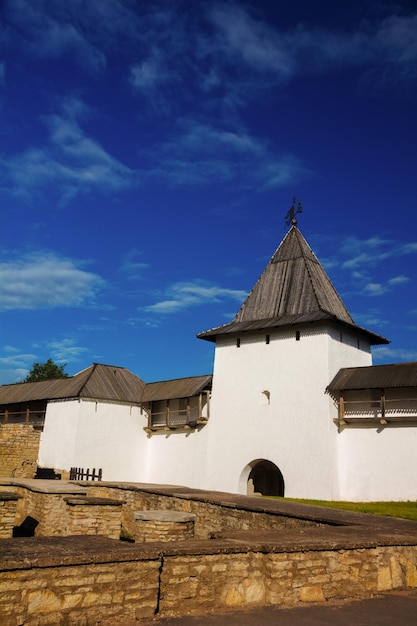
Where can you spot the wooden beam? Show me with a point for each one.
(341, 407)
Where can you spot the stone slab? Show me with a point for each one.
(44, 486)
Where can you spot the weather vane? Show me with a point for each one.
(290, 218)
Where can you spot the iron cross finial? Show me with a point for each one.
(290, 218)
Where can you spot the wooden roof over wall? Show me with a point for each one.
(375, 377)
(293, 289)
(101, 382)
(104, 382)
(177, 388)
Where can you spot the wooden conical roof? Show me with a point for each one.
(293, 289)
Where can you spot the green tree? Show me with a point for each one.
(45, 371)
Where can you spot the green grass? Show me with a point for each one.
(404, 510)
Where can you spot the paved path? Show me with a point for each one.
(392, 609)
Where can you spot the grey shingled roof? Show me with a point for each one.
(293, 289)
(177, 388)
(101, 382)
(375, 377)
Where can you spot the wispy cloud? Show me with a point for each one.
(132, 265)
(225, 48)
(367, 252)
(203, 153)
(46, 280)
(253, 41)
(360, 258)
(184, 295)
(70, 163)
(152, 72)
(390, 354)
(17, 359)
(14, 365)
(389, 43)
(378, 289)
(65, 350)
(48, 30)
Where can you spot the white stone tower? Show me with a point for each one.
(271, 428)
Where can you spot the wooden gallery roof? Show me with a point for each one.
(178, 388)
(99, 382)
(104, 382)
(375, 377)
(293, 289)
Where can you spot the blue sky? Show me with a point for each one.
(149, 152)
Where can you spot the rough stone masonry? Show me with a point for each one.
(247, 551)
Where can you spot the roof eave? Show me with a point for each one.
(244, 327)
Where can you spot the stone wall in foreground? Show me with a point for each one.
(248, 552)
(19, 449)
(79, 594)
(191, 583)
(210, 517)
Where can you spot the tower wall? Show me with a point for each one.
(269, 402)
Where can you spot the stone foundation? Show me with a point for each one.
(8, 504)
(59, 508)
(258, 552)
(228, 512)
(93, 516)
(19, 448)
(77, 580)
(93, 580)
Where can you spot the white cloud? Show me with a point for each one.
(375, 289)
(17, 360)
(378, 289)
(65, 350)
(45, 280)
(15, 366)
(389, 43)
(203, 153)
(184, 295)
(362, 253)
(132, 266)
(71, 163)
(398, 280)
(259, 45)
(48, 30)
(153, 71)
(394, 355)
(396, 36)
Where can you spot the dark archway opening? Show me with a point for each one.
(26, 528)
(266, 478)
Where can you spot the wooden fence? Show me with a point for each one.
(78, 473)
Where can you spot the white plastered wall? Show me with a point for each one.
(85, 433)
(378, 463)
(269, 402)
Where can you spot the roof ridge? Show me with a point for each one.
(168, 380)
(299, 235)
(81, 389)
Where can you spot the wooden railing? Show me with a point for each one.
(78, 473)
(189, 415)
(383, 410)
(34, 418)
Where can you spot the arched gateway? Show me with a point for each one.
(263, 477)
